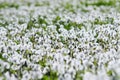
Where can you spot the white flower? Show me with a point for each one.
(89, 76)
(67, 76)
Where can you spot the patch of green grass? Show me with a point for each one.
(38, 33)
(62, 39)
(32, 39)
(8, 5)
(17, 42)
(30, 24)
(103, 44)
(44, 3)
(102, 22)
(40, 20)
(27, 53)
(78, 75)
(84, 10)
(104, 3)
(68, 7)
(29, 3)
(56, 19)
(1, 57)
(4, 24)
(21, 22)
(9, 35)
(67, 24)
(71, 24)
(50, 75)
(100, 3)
(99, 22)
(110, 73)
(42, 62)
(109, 20)
(95, 62)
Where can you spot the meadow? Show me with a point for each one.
(59, 40)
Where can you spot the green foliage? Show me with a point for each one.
(110, 73)
(17, 42)
(78, 75)
(62, 39)
(9, 36)
(97, 21)
(8, 5)
(1, 57)
(44, 3)
(55, 21)
(3, 24)
(84, 10)
(42, 62)
(20, 22)
(58, 18)
(109, 20)
(100, 3)
(104, 3)
(95, 62)
(30, 24)
(40, 20)
(32, 39)
(106, 21)
(67, 24)
(69, 7)
(50, 75)
(27, 53)
(70, 24)
(38, 33)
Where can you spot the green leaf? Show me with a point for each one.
(110, 73)
(17, 42)
(78, 75)
(30, 24)
(50, 75)
(1, 57)
(32, 39)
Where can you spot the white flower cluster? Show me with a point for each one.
(59, 40)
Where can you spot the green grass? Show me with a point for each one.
(104, 3)
(4, 23)
(50, 75)
(67, 24)
(68, 7)
(1, 57)
(100, 3)
(40, 20)
(17, 42)
(103, 22)
(43, 61)
(8, 5)
(44, 3)
(30, 24)
(78, 75)
(27, 53)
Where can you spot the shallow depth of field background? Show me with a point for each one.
(59, 40)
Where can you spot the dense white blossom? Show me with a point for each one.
(59, 40)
